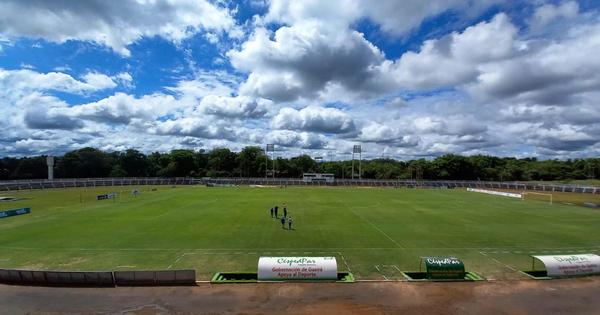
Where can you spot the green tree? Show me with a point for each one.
(452, 166)
(86, 162)
(182, 163)
(251, 161)
(133, 163)
(302, 164)
(221, 162)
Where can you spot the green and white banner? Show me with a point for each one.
(444, 268)
(297, 268)
(13, 212)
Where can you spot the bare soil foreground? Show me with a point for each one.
(573, 296)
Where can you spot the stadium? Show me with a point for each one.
(107, 232)
(375, 229)
(299, 157)
(316, 233)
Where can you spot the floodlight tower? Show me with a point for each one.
(50, 163)
(270, 148)
(357, 149)
(319, 160)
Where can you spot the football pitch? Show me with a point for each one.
(373, 232)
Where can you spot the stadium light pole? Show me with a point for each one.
(319, 161)
(357, 149)
(270, 148)
(50, 163)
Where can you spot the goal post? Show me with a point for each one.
(538, 196)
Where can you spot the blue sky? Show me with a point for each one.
(403, 78)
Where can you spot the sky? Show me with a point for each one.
(404, 79)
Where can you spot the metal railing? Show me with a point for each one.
(129, 181)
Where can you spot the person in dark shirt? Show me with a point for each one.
(271, 212)
(284, 212)
(276, 209)
(283, 222)
(290, 222)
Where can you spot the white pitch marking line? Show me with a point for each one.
(228, 249)
(345, 262)
(504, 250)
(378, 229)
(499, 262)
(177, 260)
(384, 277)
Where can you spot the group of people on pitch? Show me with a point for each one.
(284, 217)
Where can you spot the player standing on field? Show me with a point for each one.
(290, 222)
(283, 222)
(284, 212)
(276, 210)
(271, 212)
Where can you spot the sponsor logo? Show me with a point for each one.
(571, 259)
(443, 261)
(301, 261)
(10, 213)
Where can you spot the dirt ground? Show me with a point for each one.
(573, 296)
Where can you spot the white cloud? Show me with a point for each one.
(125, 79)
(309, 58)
(293, 139)
(552, 72)
(491, 88)
(121, 108)
(387, 134)
(234, 107)
(560, 138)
(317, 54)
(548, 12)
(207, 83)
(394, 17)
(455, 59)
(115, 24)
(449, 125)
(99, 81)
(314, 119)
(302, 59)
(192, 126)
(21, 81)
(46, 112)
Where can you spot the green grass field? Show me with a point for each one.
(373, 232)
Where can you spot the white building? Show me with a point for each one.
(318, 177)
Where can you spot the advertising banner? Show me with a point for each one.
(444, 268)
(297, 268)
(570, 265)
(106, 196)
(13, 212)
(497, 193)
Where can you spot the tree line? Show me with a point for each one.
(252, 162)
